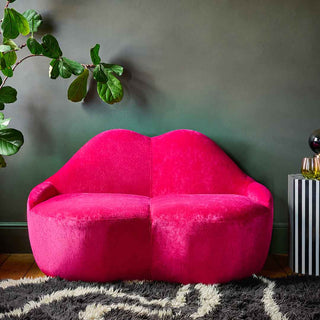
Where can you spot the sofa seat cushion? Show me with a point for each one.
(205, 207)
(208, 238)
(95, 206)
(92, 236)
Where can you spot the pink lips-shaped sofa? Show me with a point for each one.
(173, 207)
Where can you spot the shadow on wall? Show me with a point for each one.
(138, 85)
(48, 25)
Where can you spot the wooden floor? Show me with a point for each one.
(16, 266)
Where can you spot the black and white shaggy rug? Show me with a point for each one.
(251, 298)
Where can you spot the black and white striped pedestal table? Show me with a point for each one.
(303, 198)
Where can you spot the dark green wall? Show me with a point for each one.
(246, 73)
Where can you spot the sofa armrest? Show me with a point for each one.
(40, 193)
(260, 194)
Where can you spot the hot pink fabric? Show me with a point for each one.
(81, 236)
(115, 161)
(207, 238)
(173, 207)
(186, 161)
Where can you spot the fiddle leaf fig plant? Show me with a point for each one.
(26, 24)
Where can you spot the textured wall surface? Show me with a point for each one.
(245, 73)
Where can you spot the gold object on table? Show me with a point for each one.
(310, 168)
(316, 167)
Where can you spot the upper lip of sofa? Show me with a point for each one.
(195, 139)
(159, 135)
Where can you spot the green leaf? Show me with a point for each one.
(114, 92)
(10, 43)
(94, 53)
(98, 74)
(1, 106)
(34, 46)
(4, 123)
(3, 64)
(2, 162)
(4, 48)
(74, 66)
(11, 141)
(11, 1)
(1, 116)
(9, 25)
(51, 47)
(34, 19)
(7, 59)
(14, 23)
(64, 70)
(8, 72)
(22, 23)
(10, 58)
(54, 69)
(78, 88)
(110, 92)
(8, 94)
(102, 89)
(113, 68)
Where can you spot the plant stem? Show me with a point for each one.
(17, 63)
(34, 55)
(88, 65)
(21, 46)
(24, 58)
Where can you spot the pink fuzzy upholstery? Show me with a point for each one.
(174, 207)
(92, 236)
(115, 161)
(208, 238)
(185, 161)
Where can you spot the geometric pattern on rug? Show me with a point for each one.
(252, 298)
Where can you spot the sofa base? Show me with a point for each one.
(91, 251)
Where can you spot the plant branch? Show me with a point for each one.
(21, 46)
(17, 63)
(88, 65)
(24, 58)
(34, 55)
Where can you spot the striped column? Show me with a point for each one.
(303, 200)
